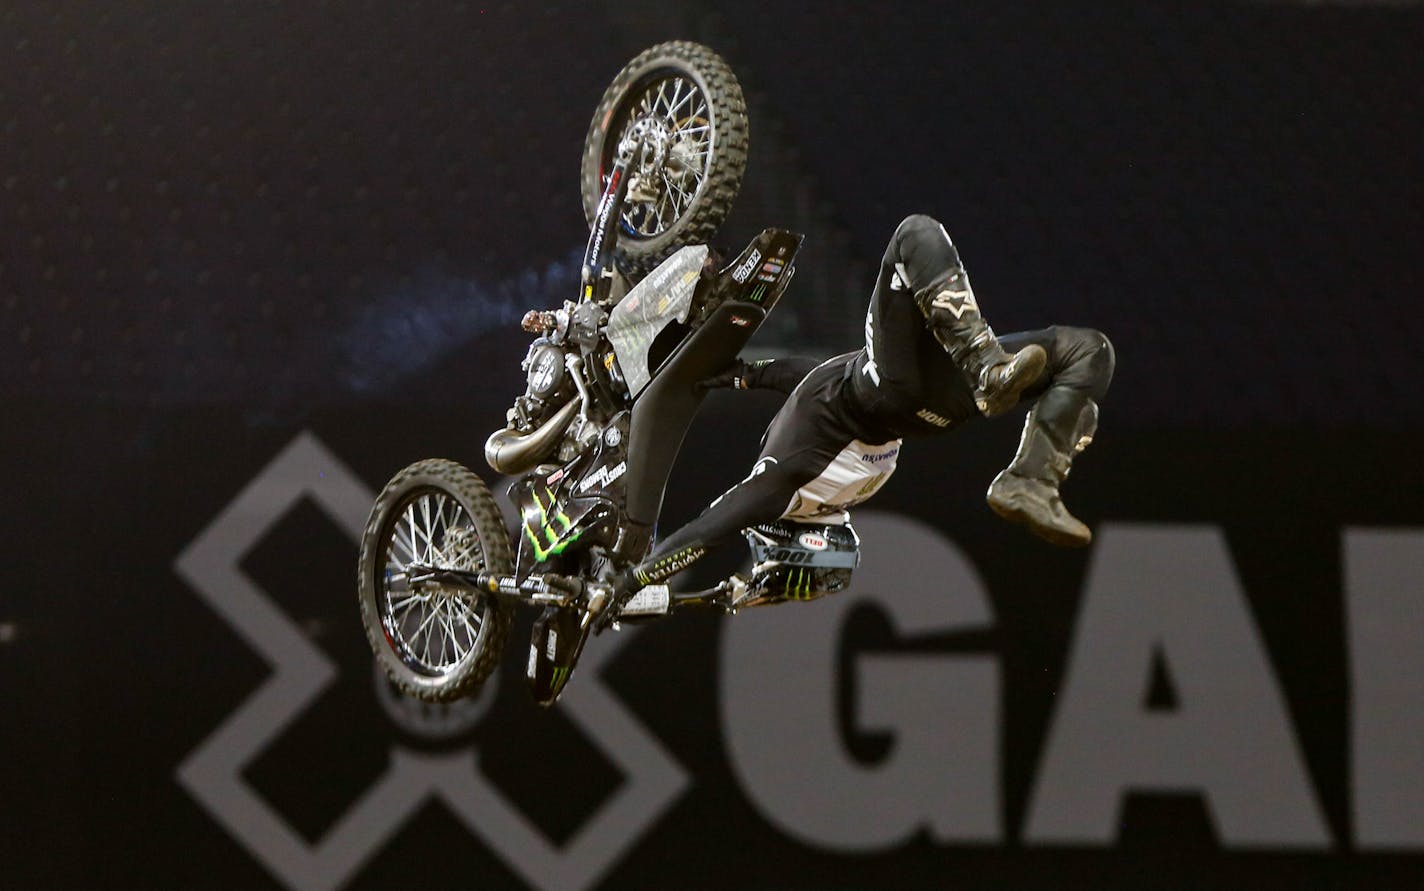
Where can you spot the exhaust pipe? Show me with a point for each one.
(510, 452)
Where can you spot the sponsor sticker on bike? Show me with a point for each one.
(651, 600)
(604, 476)
(812, 541)
(742, 272)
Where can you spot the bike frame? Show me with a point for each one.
(660, 415)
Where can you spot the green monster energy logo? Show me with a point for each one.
(757, 294)
(665, 568)
(559, 677)
(798, 583)
(554, 541)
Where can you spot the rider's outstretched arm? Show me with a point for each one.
(772, 374)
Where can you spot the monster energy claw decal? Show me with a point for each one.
(798, 584)
(549, 534)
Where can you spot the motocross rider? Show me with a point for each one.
(930, 363)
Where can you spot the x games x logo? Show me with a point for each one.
(212, 773)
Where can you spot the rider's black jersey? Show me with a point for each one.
(903, 379)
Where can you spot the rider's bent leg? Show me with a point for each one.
(760, 498)
(1059, 426)
(803, 439)
(928, 265)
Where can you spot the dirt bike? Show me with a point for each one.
(611, 391)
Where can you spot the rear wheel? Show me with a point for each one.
(436, 642)
(685, 102)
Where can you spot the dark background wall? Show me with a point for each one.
(280, 250)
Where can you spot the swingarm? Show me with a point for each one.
(547, 588)
(552, 589)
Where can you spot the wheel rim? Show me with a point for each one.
(674, 111)
(432, 628)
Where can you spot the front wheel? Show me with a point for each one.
(686, 104)
(436, 642)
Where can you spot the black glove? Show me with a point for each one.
(739, 376)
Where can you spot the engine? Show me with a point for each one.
(559, 413)
(548, 384)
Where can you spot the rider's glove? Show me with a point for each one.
(739, 376)
(539, 321)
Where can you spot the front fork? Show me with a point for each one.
(598, 256)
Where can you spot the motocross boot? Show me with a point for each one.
(1060, 425)
(998, 377)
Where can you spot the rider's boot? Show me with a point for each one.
(1060, 425)
(999, 377)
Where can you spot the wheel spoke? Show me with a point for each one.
(439, 628)
(422, 548)
(663, 201)
(676, 92)
(402, 538)
(701, 112)
(671, 107)
(425, 627)
(439, 519)
(409, 520)
(454, 513)
(472, 629)
(429, 533)
(425, 532)
(404, 603)
(676, 192)
(416, 549)
(449, 622)
(458, 630)
(424, 623)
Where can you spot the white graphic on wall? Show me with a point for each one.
(301, 672)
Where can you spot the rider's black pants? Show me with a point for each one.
(821, 418)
